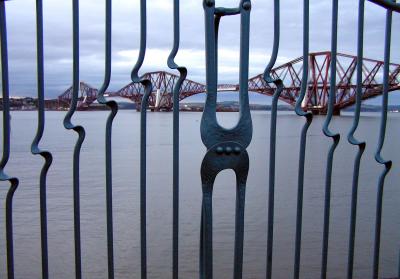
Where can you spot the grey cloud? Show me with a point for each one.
(58, 40)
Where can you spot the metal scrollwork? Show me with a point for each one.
(226, 147)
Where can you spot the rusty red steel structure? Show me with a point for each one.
(163, 82)
(290, 73)
(317, 95)
(88, 96)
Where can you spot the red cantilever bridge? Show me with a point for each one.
(290, 73)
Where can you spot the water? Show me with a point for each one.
(126, 198)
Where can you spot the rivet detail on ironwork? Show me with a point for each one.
(219, 150)
(228, 150)
(237, 150)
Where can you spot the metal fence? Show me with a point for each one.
(226, 147)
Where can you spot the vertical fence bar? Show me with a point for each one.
(35, 149)
(242, 172)
(143, 134)
(81, 137)
(272, 164)
(175, 187)
(398, 270)
(352, 140)
(6, 143)
(335, 138)
(303, 139)
(108, 137)
(378, 156)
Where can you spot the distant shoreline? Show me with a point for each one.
(221, 107)
(31, 104)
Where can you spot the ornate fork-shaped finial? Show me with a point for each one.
(226, 147)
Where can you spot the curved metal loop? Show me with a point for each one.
(211, 132)
(142, 53)
(275, 49)
(142, 48)
(304, 79)
(360, 53)
(108, 54)
(35, 149)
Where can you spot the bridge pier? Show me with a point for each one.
(319, 111)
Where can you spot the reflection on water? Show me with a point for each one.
(126, 198)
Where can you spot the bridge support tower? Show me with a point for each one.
(319, 111)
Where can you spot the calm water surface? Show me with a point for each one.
(126, 197)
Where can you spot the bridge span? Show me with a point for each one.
(290, 73)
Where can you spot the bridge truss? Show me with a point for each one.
(290, 73)
(319, 77)
(88, 95)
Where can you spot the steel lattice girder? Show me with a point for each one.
(290, 74)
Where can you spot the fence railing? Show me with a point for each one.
(226, 148)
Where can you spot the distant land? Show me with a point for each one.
(29, 104)
(234, 106)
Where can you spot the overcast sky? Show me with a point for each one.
(58, 43)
